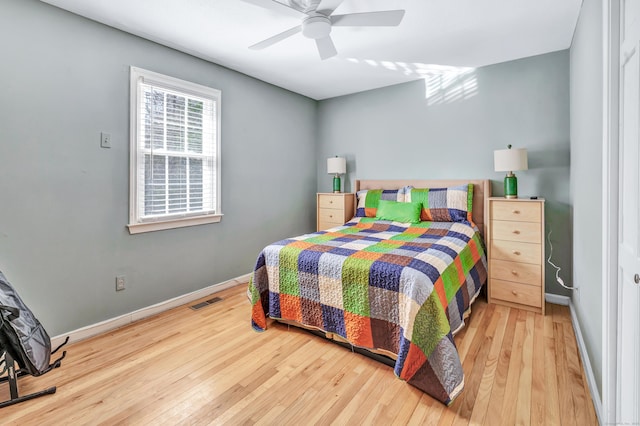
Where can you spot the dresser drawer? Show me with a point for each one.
(527, 232)
(515, 251)
(322, 225)
(331, 215)
(526, 273)
(327, 201)
(516, 211)
(516, 293)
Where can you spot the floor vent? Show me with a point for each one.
(206, 303)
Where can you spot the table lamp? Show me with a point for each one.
(336, 166)
(508, 160)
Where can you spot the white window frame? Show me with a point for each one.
(136, 223)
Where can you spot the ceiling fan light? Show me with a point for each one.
(316, 27)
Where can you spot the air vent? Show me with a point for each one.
(206, 303)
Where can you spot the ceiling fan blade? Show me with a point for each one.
(387, 18)
(326, 7)
(326, 48)
(276, 6)
(276, 38)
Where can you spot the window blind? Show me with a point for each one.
(176, 145)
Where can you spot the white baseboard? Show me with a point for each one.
(119, 321)
(556, 299)
(582, 349)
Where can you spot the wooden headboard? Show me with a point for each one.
(481, 192)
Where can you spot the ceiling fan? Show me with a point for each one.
(317, 21)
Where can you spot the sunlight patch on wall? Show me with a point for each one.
(443, 84)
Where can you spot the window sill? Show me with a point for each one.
(138, 228)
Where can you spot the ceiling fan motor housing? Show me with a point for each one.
(316, 27)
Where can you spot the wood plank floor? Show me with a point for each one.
(210, 367)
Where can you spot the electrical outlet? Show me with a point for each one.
(105, 140)
(120, 283)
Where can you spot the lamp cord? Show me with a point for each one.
(558, 279)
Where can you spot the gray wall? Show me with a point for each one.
(63, 80)
(586, 177)
(449, 127)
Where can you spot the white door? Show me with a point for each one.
(628, 393)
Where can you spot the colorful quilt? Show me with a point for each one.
(399, 287)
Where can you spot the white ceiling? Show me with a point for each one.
(433, 36)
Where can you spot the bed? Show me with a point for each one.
(391, 287)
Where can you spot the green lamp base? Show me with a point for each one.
(336, 184)
(510, 186)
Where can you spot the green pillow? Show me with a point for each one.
(399, 212)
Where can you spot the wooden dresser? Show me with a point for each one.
(334, 209)
(516, 253)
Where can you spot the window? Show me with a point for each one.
(175, 147)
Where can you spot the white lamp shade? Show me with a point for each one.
(509, 160)
(336, 165)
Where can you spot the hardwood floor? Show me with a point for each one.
(210, 367)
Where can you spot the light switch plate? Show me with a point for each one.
(105, 140)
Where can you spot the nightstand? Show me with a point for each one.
(515, 244)
(334, 209)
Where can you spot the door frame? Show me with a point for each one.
(610, 205)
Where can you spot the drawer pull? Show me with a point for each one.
(515, 231)
(514, 272)
(330, 201)
(515, 293)
(516, 252)
(516, 212)
(331, 216)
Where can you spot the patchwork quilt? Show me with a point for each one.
(399, 287)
